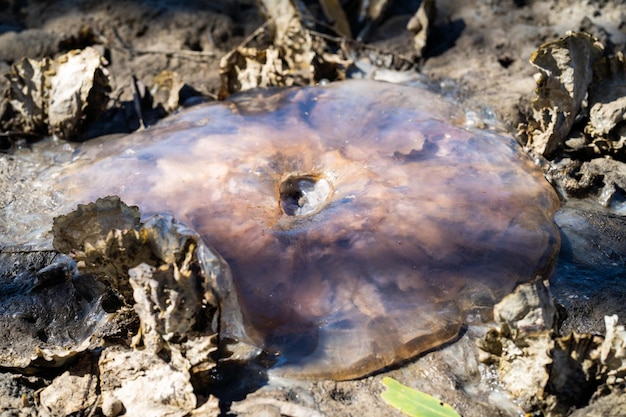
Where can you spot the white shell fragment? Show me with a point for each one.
(539, 367)
(145, 384)
(58, 97)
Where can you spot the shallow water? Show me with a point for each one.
(590, 278)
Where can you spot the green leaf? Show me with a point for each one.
(413, 402)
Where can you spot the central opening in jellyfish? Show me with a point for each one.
(303, 194)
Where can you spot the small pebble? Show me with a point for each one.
(111, 406)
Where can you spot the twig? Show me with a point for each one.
(169, 54)
(123, 46)
(251, 37)
(94, 406)
(137, 102)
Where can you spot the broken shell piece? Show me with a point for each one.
(565, 72)
(104, 238)
(573, 373)
(74, 392)
(49, 316)
(167, 299)
(168, 86)
(173, 301)
(539, 368)
(109, 241)
(613, 352)
(584, 178)
(177, 322)
(527, 310)
(607, 96)
(79, 91)
(27, 95)
(58, 97)
(420, 24)
(83, 229)
(144, 384)
(289, 60)
(520, 346)
(296, 56)
(584, 367)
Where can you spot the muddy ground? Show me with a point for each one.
(478, 52)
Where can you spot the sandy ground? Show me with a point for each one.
(478, 53)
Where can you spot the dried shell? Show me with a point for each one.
(78, 91)
(145, 384)
(420, 24)
(58, 97)
(557, 373)
(72, 392)
(607, 96)
(49, 316)
(565, 68)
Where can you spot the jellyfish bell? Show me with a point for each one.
(361, 221)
